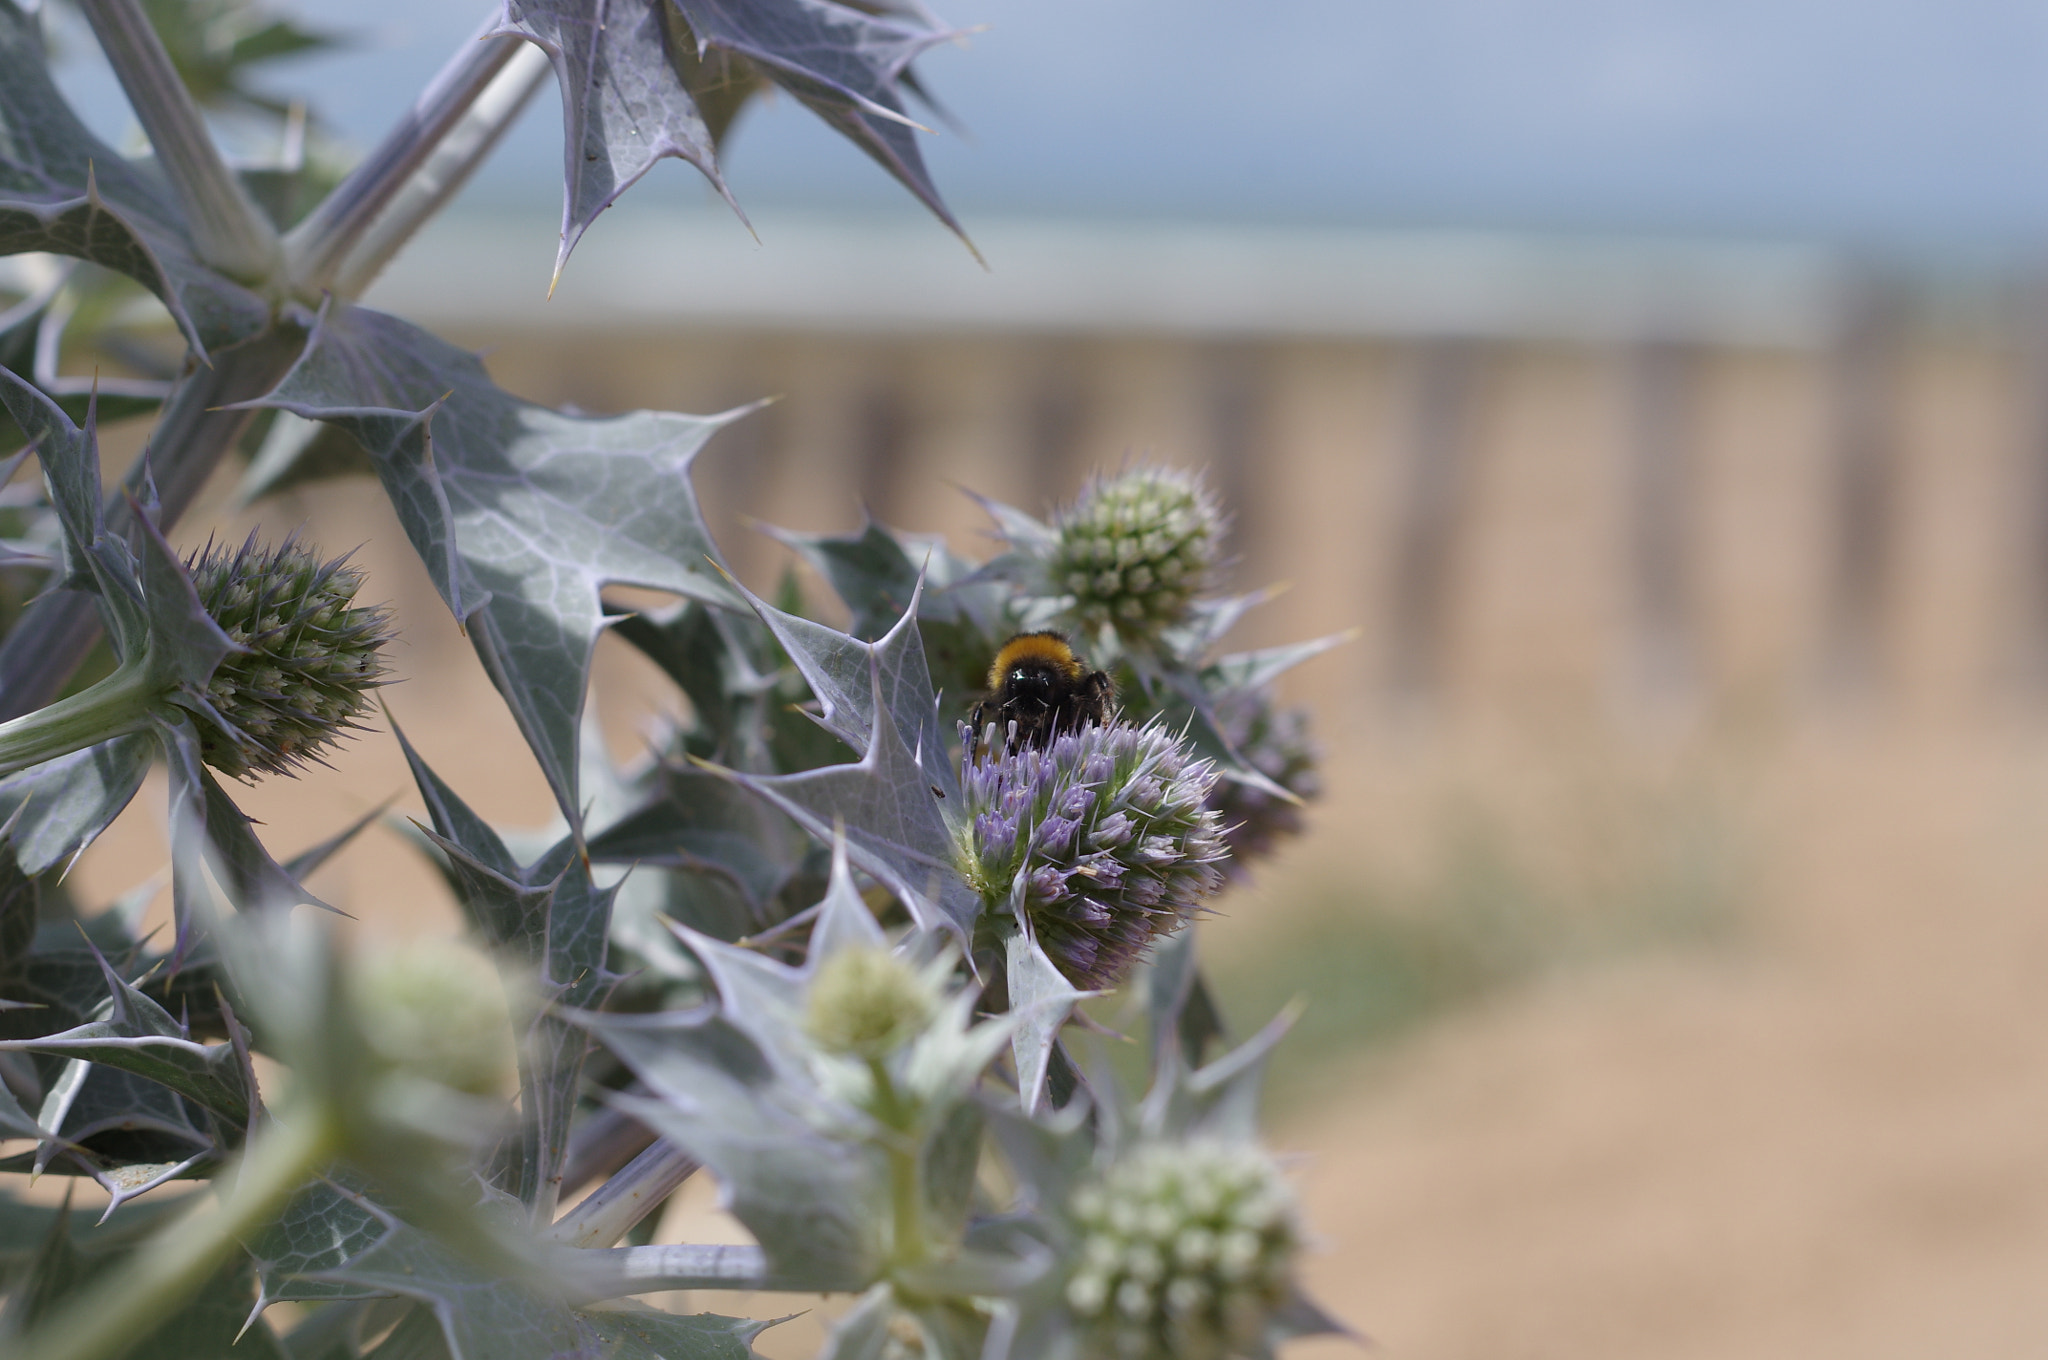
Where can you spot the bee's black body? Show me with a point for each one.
(1039, 684)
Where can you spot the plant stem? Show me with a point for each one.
(114, 707)
(603, 1143)
(228, 230)
(907, 1208)
(907, 1246)
(123, 1306)
(609, 1212)
(316, 249)
(619, 1272)
(445, 171)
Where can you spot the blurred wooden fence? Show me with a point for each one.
(1685, 515)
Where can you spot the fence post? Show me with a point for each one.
(882, 433)
(1234, 381)
(1661, 376)
(1433, 509)
(1055, 420)
(2032, 518)
(1863, 492)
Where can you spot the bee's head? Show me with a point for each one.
(1042, 658)
(1030, 680)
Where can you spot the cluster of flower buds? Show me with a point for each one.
(1110, 831)
(1136, 549)
(1186, 1249)
(1130, 560)
(310, 662)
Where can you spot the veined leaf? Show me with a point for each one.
(815, 1203)
(322, 1227)
(888, 807)
(213, 841)
(870, 571)
(94, 560)
(15, 1122)
(199, 1327)
(549, 913)
(139, 1036)
(624, 105)
(157, 1129)
(64, 804)
(521, 514)
(214, 1322)
(1250, 670)
(855, 681)
(159, 627)
(700, 823)
(844, 64)
(1042, 999)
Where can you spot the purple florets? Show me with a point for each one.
(1111, 832)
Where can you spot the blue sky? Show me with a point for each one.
(1881, 120)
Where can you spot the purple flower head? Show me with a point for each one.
(1111, 832)
(1275, 742)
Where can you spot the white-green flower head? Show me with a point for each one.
(435, 1012)
(859, 1015)
(1185, 1250)
(1107, 832)
(866, 1002)
(311, 661)
(872, 1018)
(1137, 548)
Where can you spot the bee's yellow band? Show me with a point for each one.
(1047, 647)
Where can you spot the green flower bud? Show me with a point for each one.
(1087, 1293)
(1185, 1251)
(311, 662)
(867, 1003)
(1136, 549)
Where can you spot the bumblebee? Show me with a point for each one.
(1039, 684)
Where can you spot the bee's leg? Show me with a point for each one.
(1101, 692)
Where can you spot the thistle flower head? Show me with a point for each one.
(1109, 830)
(1275, 742)
(1136, 549)
(311, 662)
(865, 1002)
(1185, 1251)
(436, 1011)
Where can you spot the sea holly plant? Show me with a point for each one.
(827, 943)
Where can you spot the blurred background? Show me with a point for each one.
(1662, 390)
